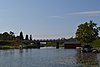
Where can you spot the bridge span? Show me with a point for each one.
(57, 42)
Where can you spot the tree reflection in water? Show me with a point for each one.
(87, 59)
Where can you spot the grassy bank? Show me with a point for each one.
(7, 47)
(96, 43)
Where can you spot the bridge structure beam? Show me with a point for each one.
(38, 44)
(57, 42)
(57, 45)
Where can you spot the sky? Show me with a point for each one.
(47, 19)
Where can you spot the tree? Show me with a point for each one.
(17, 37)
(11, 35)
(21, 36)
(87, 32)
(30, 37)
(5, 36)
(26, 38)
(1, 36)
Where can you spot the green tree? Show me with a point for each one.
(87, 32)
(30, 37)
(11, 33)
(21, 36)
(1, 36)
(12, 36)
(5, 36)
(26, 38)
(17, 37)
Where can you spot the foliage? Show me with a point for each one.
(21, 36)
(8, 40)
(11, 36)
(3, 43)
(26, 38)
(30, 37)
(17, 37)
(96, 43)
(7, 36)
(87, 32)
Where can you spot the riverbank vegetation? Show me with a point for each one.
(96, 43)
(8, 40)
(88, 33)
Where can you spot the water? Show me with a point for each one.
(47, 57)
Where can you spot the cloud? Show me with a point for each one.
(88, 13)
(56, 17)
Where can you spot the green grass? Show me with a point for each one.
(96, 43)
(7, 47)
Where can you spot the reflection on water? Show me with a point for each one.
(87, 59)
(48, 57)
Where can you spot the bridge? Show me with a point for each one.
(57, 42)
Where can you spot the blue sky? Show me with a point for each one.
(47, 18)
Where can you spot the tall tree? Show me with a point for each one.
(26, 38)
(30, 37)
(21, 36)
(12, 36)
(87, 32)
(11, 33)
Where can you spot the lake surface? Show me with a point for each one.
(48, 57)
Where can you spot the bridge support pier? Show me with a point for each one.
(38, 45)
(57, 45)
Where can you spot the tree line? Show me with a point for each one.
(11, 36)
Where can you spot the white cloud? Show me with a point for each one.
(88, 13)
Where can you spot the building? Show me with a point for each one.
(72, 43)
